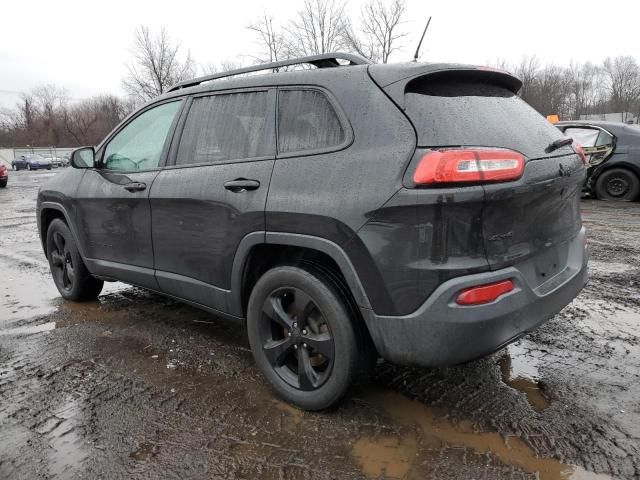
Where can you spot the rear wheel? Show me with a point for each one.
(302, 336)
(618, 184)
(73, 280)
(3, 183)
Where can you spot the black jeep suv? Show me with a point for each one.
(419, 212)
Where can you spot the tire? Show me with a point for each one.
(48, 168)
(618, 184)
(3, 183)
(73, 280)
(318, 319)
(28, 166)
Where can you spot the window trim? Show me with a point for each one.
(125, 123)
(337, 108)
(177, 137)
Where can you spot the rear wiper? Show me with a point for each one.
(556, 144)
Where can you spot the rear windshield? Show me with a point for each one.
(470, 113)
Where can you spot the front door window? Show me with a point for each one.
(139, 145)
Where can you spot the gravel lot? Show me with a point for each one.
(139, 386)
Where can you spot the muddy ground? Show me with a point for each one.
(139, 386)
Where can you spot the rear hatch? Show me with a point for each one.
(470, 108)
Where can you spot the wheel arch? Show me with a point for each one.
(624, 164)
(260, 251)
(50, 211)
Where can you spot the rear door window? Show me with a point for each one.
(453, 111)
(597, 144)
(307, 121)
(224, 127)
(586, 137)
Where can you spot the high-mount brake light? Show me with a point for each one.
(578, 149)
(476, 165)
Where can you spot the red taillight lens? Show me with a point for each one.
(578, 149)
(469, 165)
(484, 293)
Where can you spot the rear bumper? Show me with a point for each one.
(440, 332)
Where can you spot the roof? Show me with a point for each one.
(328, 67)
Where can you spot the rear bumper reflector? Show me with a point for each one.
(484, 293)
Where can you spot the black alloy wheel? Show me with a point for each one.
(302, 333)
(296, 338)
(61, 263)
(73, 280)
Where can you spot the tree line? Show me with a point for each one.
(578, 89)
(46, 116)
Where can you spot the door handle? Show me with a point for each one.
(242, 185)
(135, 186)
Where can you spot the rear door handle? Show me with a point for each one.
(242, 185)
(135, 186)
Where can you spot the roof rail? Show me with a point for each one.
(325, 60)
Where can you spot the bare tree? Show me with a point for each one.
(527, 70)
(622, 76)
(224, 66)
(380, 30)
(157, 64)
(583, 94)
(551, 91)
(270, 39)
(45, 117)
(317, 28)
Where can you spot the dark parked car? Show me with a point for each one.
(613, 155)
(420, 212)
(31, 162)
(4, 175)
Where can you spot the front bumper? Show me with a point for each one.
(441, 332)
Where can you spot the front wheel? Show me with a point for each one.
(618, 184)
(73, 280)
(302, 336)
(28, 166)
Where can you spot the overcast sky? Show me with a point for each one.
(83, 45)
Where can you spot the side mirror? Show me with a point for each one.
(83, 157)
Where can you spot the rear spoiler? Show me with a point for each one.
(395, 78)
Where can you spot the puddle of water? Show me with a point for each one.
(520, 371)
(376, 458)
(387, 456)
(67, 451)
(27, 289)
(293, 415)
(144, 452)
(29, 329)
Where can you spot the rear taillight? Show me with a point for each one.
(469, 165)
(484, 293)
(578, 149)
